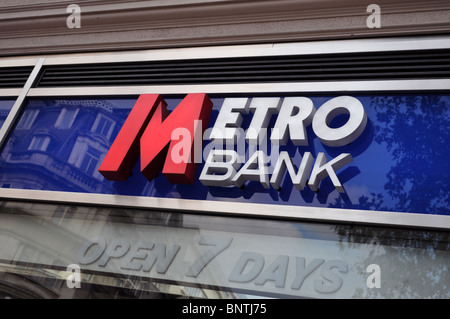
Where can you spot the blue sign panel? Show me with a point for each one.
(400, 161)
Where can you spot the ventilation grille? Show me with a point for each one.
(14, 77)
(330, 67)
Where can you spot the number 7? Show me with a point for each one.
(219, 243)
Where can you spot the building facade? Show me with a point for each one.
(224, 149)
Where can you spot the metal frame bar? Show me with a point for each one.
(18, 105)
(291, 87)
(10, 92)
(236, 208)
(396, 219)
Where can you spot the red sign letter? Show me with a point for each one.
(150, 126)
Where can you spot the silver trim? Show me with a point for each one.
(15, 110)
(236, 208)
(19, 61)
(10, 92)
(301, 87)
(271, 49)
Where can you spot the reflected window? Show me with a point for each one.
(90, 161)
(103, 126)
(66, 118)
(27, 119)
(39, 143)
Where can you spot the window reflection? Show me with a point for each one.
(103, 126)
(66, 118)
(58, 144)
(28, 118)
(39, 143)
(296, 259)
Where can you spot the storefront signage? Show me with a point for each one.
(248, 268)
(301, 260)
(173, 142)
(374, 152)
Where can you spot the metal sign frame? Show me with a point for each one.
(214, 207)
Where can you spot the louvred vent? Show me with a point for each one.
(326, 67)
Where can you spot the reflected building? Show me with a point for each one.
(62, 142)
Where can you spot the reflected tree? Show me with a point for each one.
(415, 131)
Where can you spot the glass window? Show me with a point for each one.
(39, 143)
(127, 253)
(27, 119)
(90, 161)
(103, 126)
(66, 118)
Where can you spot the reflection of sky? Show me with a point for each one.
(365, 179)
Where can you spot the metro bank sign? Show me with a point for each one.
(173, 142)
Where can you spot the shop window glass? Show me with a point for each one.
(129, 253)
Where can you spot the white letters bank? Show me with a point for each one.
(222, 167)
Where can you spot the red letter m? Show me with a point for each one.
(148, 132)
